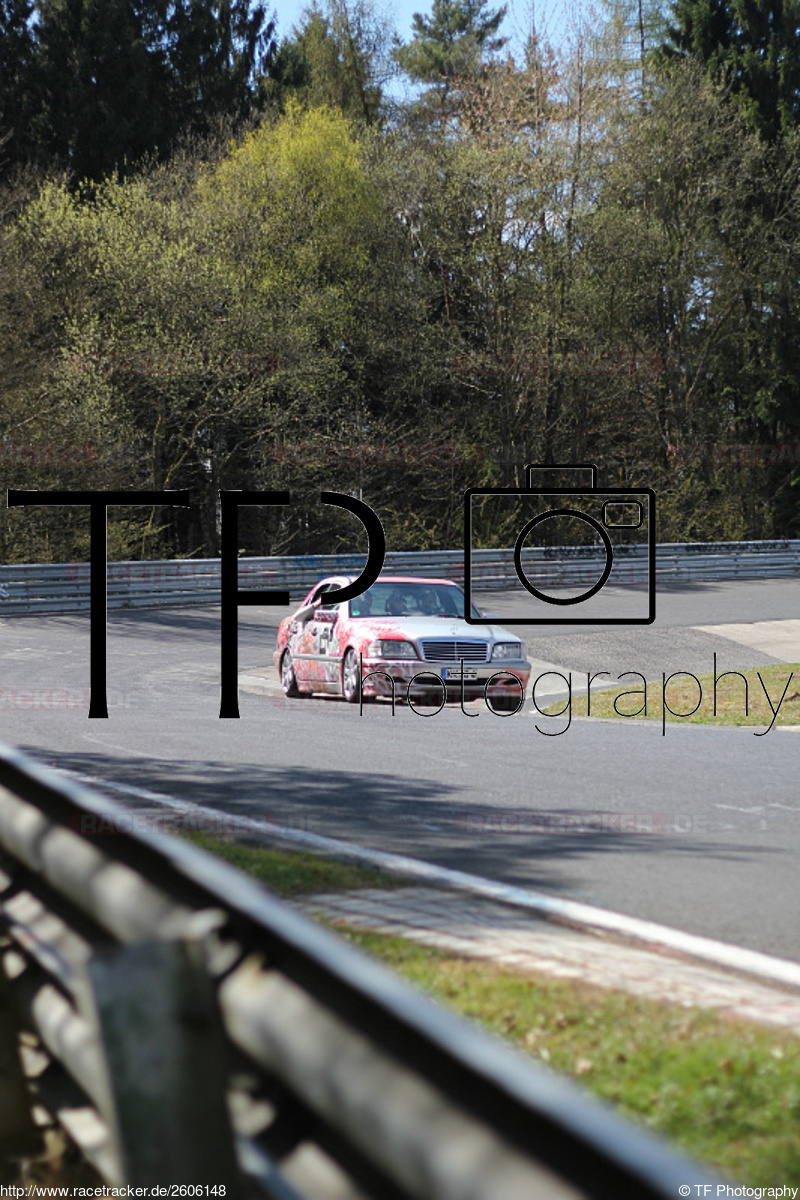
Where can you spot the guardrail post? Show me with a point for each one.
(18, 1134)
(163, 1041)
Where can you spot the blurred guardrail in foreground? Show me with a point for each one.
(189, 1030)
(64, 587)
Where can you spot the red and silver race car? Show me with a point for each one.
(402, 631)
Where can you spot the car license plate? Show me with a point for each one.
(469, 676)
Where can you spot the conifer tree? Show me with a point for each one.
(754, 45)
(450, 45)
(16, 80)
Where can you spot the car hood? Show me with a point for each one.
(432, 627)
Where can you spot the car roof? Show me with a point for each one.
(412, 579)
(343, 580)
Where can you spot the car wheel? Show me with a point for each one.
(351, 680)
(288, 677)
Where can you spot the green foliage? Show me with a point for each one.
(451, 46)
(301, 188)
(452, 42)
(571, 272)
(338, 57)
(196, 320)
(16, 83)
(219, 51)
(754, 45)
(97, 86)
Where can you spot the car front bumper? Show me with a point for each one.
(383, 677)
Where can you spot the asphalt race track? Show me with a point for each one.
(698, 829)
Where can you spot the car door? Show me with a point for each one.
(322, 648)
(301, 637)
(310, 638)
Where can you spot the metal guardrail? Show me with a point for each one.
(187, 1028)
(56, 588)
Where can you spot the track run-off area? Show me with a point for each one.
(697, 828)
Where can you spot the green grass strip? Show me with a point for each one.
(288, 873)
(727, 1092)
(742, 698)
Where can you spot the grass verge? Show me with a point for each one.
(726, 1092)
(288, 873)
(742, 698)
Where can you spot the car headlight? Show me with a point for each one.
(508, 650)
(391, 649)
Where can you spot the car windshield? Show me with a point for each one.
(388, 599)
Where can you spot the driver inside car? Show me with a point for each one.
(361, 606)
(396, 605)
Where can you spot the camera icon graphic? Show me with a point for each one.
(582, 555)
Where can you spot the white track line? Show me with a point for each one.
(569, 912)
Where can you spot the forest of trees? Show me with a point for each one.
(234, 260)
